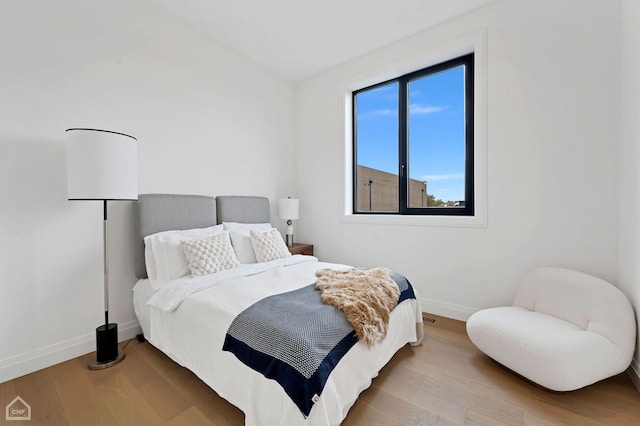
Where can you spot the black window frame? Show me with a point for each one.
(403, 144)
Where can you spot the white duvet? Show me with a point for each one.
(190, 317)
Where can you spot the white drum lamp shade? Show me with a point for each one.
(101, 165)
(289, 208)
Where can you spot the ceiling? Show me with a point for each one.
(299, 38)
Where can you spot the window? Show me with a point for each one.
(413, 143)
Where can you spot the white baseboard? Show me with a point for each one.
(40, 358)
(634, 373)
(444, 309)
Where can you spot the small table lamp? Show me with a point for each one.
(102, 165)
(289, 212)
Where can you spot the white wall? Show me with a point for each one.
(629, 227)
(552, 127)
(208, 121)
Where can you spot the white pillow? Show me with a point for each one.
(268, 245)
(150, 261)
(169, 259)
(239, 233)
(210, 255)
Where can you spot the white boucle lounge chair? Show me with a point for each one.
(565, 330)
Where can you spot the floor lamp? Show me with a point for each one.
(102, 165)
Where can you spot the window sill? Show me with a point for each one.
(435, 221)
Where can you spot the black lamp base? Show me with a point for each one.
(107, 353)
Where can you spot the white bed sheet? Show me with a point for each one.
(191, 329)
(142, 292)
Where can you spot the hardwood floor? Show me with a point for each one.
(444, 381)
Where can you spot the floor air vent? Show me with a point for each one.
(429, 320)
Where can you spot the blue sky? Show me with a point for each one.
(436, 131)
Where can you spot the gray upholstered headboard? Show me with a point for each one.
(243, 209)
(166, 212)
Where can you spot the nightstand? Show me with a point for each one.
(299, 248)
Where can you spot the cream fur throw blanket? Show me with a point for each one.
(366, 298)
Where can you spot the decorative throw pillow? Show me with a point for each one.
(164, 256)
(210, 255)
(268, 245)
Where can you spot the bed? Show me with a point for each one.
(190, 318)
